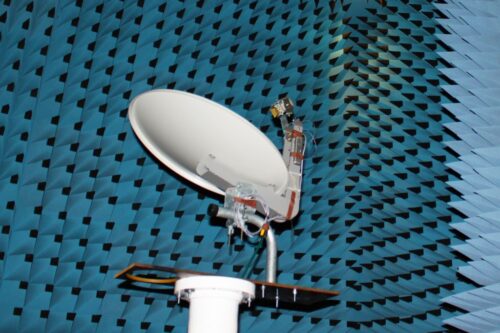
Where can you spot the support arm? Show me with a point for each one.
(272, 257)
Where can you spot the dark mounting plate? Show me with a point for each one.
(266, 293)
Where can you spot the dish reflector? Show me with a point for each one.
(182, 130)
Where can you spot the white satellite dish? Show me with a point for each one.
(184, 131)
(215, 148)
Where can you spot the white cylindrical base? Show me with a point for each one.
(214, 302)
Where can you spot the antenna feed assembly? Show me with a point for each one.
(260, 185)
(259, 222)
(243, 201)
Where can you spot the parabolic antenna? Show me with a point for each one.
(188, 133)
(215, 148)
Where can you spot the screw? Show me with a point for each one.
(277, 298)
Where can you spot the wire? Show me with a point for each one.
(315, 145)
(150, 280)
(313, 140)
(277, 218)
(239, 220)
(253, 260)
(239, 209)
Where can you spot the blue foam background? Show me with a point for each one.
(472, 28)
(81, 198)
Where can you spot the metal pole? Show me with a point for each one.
(272, 253)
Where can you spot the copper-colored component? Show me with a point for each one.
(297, 155)
(150, 280)
(265, 292)
(291, 205)
(247, 202)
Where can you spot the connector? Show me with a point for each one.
(282, 107)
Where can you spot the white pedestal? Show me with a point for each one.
(214, 302)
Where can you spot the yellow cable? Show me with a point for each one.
(150, 280)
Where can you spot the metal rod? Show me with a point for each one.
(272, 252)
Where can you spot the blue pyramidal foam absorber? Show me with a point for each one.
(80, 197)
(473, 31)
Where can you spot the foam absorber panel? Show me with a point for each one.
(473, 29)
(81, 198)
